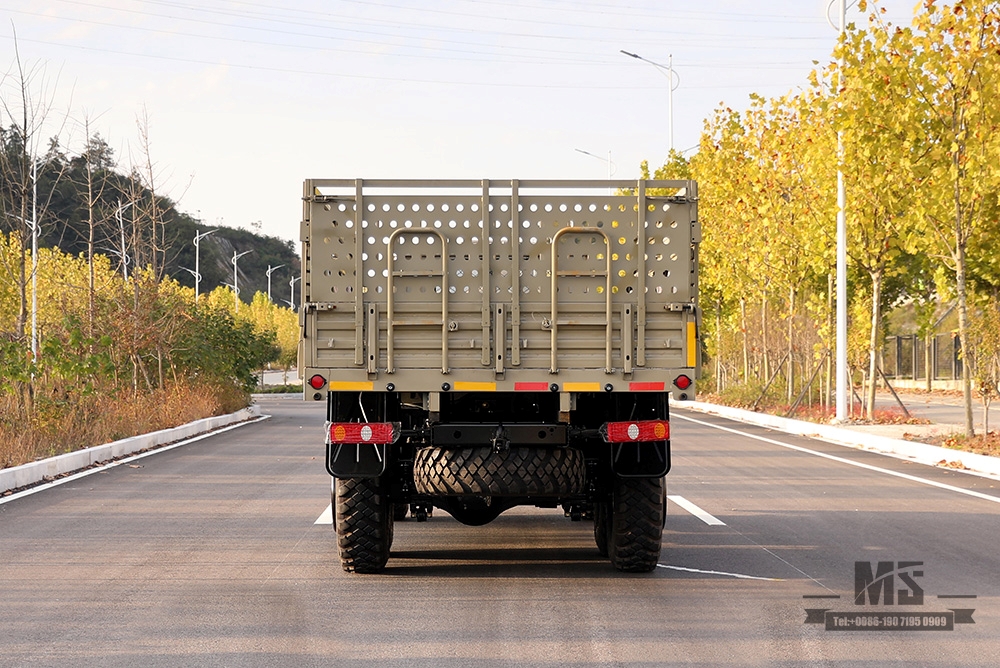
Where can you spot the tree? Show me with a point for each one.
(951, 115)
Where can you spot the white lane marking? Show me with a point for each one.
(729, 575)
(904, 476)
(126, 460)
(705, 517)
(326, 517)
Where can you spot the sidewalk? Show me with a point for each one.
(898, 440)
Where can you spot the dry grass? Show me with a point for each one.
(68, 423)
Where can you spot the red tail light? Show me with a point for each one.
(682, 382)
(317, 382)
(636, 432)
(363, 432)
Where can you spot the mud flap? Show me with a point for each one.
(348, 460)
(641, 460)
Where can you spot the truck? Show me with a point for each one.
(487, 344)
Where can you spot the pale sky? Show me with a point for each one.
(245, 99)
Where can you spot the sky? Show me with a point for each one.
(244, 100)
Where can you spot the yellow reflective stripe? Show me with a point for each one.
(692, 346)
(470, 386)
(581, 387)
(352, 385)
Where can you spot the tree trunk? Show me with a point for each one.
(873, 342)
(963, 306)
(791, 347)
(929, 360)
(746, 345)
(829, 358)
(765, 358)
(718, 348)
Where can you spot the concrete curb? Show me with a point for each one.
(34, 472)
(919, 452)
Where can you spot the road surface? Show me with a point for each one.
(211, 555)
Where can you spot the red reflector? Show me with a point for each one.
(317, 382)
(636, 432)
(362, 432)
(646, 387)
(682, 382)
(531, 387)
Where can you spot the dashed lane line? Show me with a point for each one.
(702, 515)
(326, 517)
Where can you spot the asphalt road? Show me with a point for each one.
(210, 555)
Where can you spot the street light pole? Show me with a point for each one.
(271, 270)
(841, 346)
(667, 71)
(291, 291)
(121, 225)
(236, 278)
(34, 260)
(197, 268)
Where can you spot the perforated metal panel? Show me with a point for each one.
(499, 277)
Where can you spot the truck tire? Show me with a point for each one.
(601, 527)
(363, 524)
(636, 524)
(514, 472)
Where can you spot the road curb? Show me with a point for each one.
(919, 452)
(35, 472)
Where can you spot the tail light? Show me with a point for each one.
(363, 432)
(636, 432)
(682, 382)
(317, 382)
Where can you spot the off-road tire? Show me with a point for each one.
(636, 527)
(514, 472)
(363, 524)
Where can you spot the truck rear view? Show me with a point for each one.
(487, 344)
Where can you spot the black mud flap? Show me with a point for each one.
(349, 460)
(641, 460)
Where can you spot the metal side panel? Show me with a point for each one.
(489, 278)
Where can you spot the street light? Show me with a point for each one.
(236, 278)
(291, 292)
(841, 351)
(667, 71)
(34, 260)
(121, 225)
(197, 256)
(269, 271)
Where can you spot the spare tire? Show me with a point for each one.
(517, 471)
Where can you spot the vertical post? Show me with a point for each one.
(271, 270)
(34, 260)
(841, 258)
(291, 291)
(670, 100)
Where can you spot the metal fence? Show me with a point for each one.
(904, 357)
